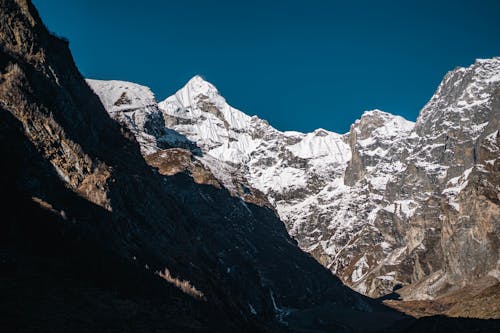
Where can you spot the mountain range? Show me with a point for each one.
(124, 214)
(390, 203)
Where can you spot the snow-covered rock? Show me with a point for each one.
(134, 106)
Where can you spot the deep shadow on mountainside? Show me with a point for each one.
(86, 224)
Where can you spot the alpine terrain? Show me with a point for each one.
(390, 203)
(121, 214)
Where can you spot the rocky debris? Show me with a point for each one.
(480, 300)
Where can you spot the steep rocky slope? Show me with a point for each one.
(94, 239)
(390, 203)
(454, 168)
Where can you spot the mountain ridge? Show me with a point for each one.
(94, 239)
(338, 194)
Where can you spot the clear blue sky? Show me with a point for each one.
(299, 64)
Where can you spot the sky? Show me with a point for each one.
(301, 65)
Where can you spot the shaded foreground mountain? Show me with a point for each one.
(87, 226)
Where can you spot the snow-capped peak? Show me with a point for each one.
(198, 86)
(198, 98)
(375, 112)
(377, 123)
(386, 116)
(463, 97)
(122, 95)
(136, 107)
(322, 143)
(340, 195)
(199, 112)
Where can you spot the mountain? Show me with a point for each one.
(95, 239)
(390, 203)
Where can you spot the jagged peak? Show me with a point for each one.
(482, 69)
(374, 112)
(380, 114)
(493, 60)
(197, 85)
(492, 64)
(380, 123)
(488, 69)
(200, 99)
(383, 117)
(197, 79)
(323, 132)
(463, 90)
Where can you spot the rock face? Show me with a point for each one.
(95, 239)
(455, 169)
(390, 203)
